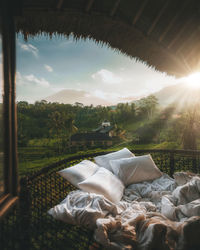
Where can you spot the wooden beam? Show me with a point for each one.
(114, 8)
(89, 5)
(9, 114)
(6, 33)
(173, 20)
(139, 12)
(158, 16)
(59, 4)
(15, 180)
(181, 30)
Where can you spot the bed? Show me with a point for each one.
(130, 204)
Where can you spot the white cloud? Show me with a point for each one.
(40, 81)
(106, 76)
(23, 80)
(20, 79)
(29, 48)
(48, 68)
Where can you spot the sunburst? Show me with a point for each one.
(193, 80)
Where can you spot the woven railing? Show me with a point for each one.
(29, 226)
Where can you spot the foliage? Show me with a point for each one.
(147, 106)
(191, 126)
(151, 131)
(54, 120)
(45, 129)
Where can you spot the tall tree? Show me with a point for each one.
(147, 106)
(189, 137)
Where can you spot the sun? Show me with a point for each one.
(193, 80)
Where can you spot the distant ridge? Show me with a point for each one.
(180, 94)
(70, 96)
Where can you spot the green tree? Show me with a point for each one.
(147, 106)
(189, 137)
(56, 124)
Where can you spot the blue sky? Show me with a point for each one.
(46, 66)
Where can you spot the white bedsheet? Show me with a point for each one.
(150, 214)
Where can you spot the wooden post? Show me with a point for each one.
(15, 184)
(9, 107)
(6, 23)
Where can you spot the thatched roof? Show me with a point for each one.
(163, 33)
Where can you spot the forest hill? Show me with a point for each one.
(140, 122)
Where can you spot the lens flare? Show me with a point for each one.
(193, 80)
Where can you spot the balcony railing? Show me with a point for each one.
(29, 226)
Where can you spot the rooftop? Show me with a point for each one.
(162, 33)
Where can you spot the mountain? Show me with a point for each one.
(70, 96)
(180, 94)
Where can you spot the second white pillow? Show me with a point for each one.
(135, 169)
(105, 183)
(104, 160)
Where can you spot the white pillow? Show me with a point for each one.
(79, 172)
(104, 160)
(135, 169)
(104, 182)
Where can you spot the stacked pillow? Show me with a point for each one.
(89, 177)
(135, 169)
(105, 183)
(104, 160)
(79, 172)
(111, 173)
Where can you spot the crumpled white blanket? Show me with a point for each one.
(150, 190)
(136, 221)
(82, 208)
(184, 201)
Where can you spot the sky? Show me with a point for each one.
(46, 66)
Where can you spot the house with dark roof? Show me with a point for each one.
(101, 136)
(105, 128)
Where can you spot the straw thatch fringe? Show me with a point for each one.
(104, 30)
